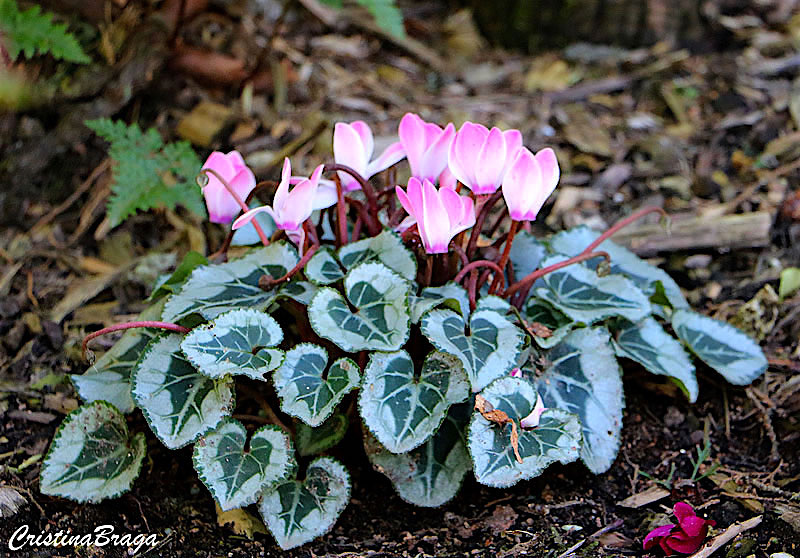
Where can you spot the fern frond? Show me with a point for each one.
(387, 15)
(33, 32)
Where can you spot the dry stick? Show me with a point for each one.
(130, 325)
(504, 257)
(476, 229)
(242, 205)
(721, 540)
(372, 200)
(534, 275)
(621, 224)
(766, 419)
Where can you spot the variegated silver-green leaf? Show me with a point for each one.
(402, 408)
(488, 348)
(644, 275)
(236, 477)
(586, 297)
(585, 379)
(386, 248)
(451, 295)
(299, 291)
(648, 344)
(313, 440)
(179, 403)
(212, 290)
(323, 268)
(541, 312)
(556, 438)
(721, 346)
(297, 512)
(380, 319)
(92, 457)
(431, 474)
(239, 342)
(308, 389)
(109, 379)
(527, 253)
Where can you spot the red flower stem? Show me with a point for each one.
(131, 325)
(373, 226)
(267, 282)
(428, 273)
(241, 203)
(622, 223)
(531, 278)
(504, 258)
(476, 265)
(341, 211)
(354, 236)
(476, 229)
(409, 233)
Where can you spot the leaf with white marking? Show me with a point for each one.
(323, 268)
(402, 408)
(308, 388)
(379, 320)
(387, 248)
(179, 403)
(527, 253)
(431, 474)
(235, 476)
(648, 344)
(556, 438)
(539, 311)
(451, 295)
(238, 342)
(313, 440)
(92, 457)
(297, 512)
(214, 289)
(721, 346)
(299, 291)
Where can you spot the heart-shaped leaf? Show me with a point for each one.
(431, 474)
(537, 311)
(556, 438)
(238, 342)
(387, 248)
(169, 284)
(307, 390)
(236, 476)
(299, 291)
(297, 512)
(644, 275)
(313, 440)
(404, 409)
(212, 290)
(109, 379)
(451, 295)
(323, 268)
(586, 297)
(527, 253)
(92, 457)
(488, 348)
(721, 346)
(179, 403)
(380, 319)
(585, 379)
(648, 344)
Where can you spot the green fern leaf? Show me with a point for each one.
(147, 172)
(33, 32)
(387, 15)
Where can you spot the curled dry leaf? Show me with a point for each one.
(499, 417)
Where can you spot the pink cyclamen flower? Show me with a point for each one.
(222, 206)
(289, 209)
(479, 157)
(685, 537)
(440, 214)
(529, 181)
(353, 146)
(426, 146)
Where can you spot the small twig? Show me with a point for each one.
(766, 419)
(131, 325)
(726, 536)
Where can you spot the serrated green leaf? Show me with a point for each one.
(386, 247)
(585, 297)
(556, 438)
(721, 346)
(624, 262)
(451, 295)
(239, 342)
(297, 512)
(179, 403)
(214, 289)
(34, 32)
(92, 457)
(539, 311)
(108, 379)
(431, 474)
(648, 344)
(323, 268)
(307, 390)
(387, 15)
(299, 291)
(313, 440)
(488, 351)
(381, 320)
(236, 477)
(171, 283)
(404, 409)
(585, 379)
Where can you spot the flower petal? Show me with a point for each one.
(434, 227)
(245, 218)
(464, 152)
(391, 155)
(434, 160)
(326, 194)
(549, 164)
(655, 536)
(348, 149)
(364, 132)
(243, 183)
(283, 187)
(490, 163)
(682, 510)
(412, 137)
(220, 163)
(520, 184)
(236, 160)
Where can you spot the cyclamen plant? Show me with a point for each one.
(467, 352)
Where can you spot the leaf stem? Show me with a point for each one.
(531, 278)
(478, 264)
(341, 211)
(622, 223)
(476, 229)
(504, 257)
(131, 325)
(241, 203)
(373, 226)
